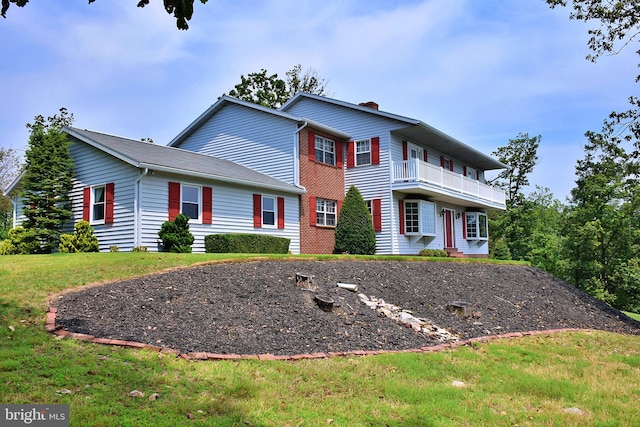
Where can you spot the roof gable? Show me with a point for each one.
(228, 100)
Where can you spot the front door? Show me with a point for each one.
(449, 235)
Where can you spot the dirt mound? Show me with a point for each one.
(257, 307)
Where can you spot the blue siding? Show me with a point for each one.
(94, 167)
(232, 212)
(258, 140)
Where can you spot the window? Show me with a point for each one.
(190, 201)
(325, 150)
(268, 211)
(419, 217)
(411, 217)
(470, 173)
(326, 213)
(98, 204)
(363, 152)
(476, 226)
(194, 201)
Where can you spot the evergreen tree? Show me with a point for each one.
(354, 230)
(176, 236)
(48, 179)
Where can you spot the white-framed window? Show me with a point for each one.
(419, 218)
(326, 212)
(98, 204)
(269, 213)
(325, 150)
(477, 226)
(471, 173)
(190, 201)
(415, 152)
(363, 152)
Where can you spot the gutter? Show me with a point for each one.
(283, 188)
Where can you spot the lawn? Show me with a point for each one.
(533, 380)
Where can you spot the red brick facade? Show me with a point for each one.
(322, 181)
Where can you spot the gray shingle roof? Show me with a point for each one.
(175, 160)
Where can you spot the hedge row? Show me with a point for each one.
(246, 243)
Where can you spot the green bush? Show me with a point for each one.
(20, 241)
(433, 253)
(500, 250)
(139, 249)
(114, 248)
(246, 243)
(176, 236)
(354, 230)
(82, 240)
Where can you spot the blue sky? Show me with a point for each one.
(479, 70)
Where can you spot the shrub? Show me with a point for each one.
(246, 243)
(139, 249)
(82, 240)
(114, 248)
(433, 253)
(500, 250)
(176, 236)
(20, 241)
(354, 230)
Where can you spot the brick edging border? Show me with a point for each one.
(52, 328)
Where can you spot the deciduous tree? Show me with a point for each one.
(182, 10)
(9, 170)
(271, 91)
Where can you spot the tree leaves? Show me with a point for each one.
(182, 10)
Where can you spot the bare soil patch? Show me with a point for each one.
(257, 308)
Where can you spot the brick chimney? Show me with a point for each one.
(370, 104)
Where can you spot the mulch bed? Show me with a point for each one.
(257, 308)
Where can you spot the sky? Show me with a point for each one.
(482, 71)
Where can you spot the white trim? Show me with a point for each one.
(199, 202)
(93, 203)
(355, 152)
(263, 210)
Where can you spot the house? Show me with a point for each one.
(424, 188)
(244, 168)
(126, 189)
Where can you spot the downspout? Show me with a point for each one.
(296, 155)
(137, 210)
(14, 213)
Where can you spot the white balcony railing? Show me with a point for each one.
(415, 170)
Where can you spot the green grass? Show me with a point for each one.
(633, 315)
(526, 381)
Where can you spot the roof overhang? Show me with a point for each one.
(432, 137)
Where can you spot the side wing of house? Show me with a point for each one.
(216, 208)
(104, 194)
(248, 135)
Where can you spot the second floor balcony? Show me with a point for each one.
(421, 177)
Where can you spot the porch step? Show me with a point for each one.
(454, 253)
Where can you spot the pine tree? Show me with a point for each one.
(354, 230)
(48, 179)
